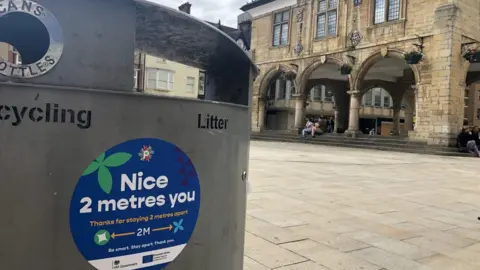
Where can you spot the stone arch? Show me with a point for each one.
(271, 73)
(372, 84)
(374, 58)
(307, 72)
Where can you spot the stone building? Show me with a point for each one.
(306, 42)
(154, 75)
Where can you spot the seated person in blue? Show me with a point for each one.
(466, 142)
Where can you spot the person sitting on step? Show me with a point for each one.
(309, 128)
(466, 142)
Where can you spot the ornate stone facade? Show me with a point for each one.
(433, 88)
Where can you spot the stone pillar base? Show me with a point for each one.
(352, 133)
(444, 139)
(257, 129)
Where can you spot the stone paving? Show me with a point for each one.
(326, 208)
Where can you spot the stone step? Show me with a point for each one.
(444, 151)
(358, 139)
(344, 140)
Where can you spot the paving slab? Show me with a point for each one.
(326, 208)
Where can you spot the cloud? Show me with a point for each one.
(211, 10)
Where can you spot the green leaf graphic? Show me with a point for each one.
(91, 168)
(105, 179)
(117, 159)
(101, 157)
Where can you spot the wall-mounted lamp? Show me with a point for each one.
(419, 46)
(352, 58)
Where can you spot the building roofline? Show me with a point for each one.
(254, 4)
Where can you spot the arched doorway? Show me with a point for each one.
(278, 107)
(323, 90)
(376, 113)
(390, 72)
(275, 111)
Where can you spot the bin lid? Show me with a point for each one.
(177, 36)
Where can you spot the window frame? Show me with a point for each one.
(136, 75)
(17, 59)
(385, 15)
(280, 24)
(170, 79)
(328, 10)
(192, 85)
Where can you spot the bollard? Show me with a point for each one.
(97, 176)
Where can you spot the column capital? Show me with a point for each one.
(355, 93)
(297, 96)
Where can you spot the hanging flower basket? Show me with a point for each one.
(413, 57)
(345, 69)
(472, 55)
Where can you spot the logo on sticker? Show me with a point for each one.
(135, 206)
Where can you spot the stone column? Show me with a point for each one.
(396, 120)
(288, 91)
(299, 112)
(261, 114)
(408, 125)
(336, 119)
(397, 107)
(353, 119)
(409, 110)
(277, 89)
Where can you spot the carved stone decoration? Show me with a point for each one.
(384, 51)
(300, 16)
(355, 37)
(323, 59)
(299, 47)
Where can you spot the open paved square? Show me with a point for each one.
(327, 208)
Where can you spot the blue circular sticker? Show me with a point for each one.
(135, 206)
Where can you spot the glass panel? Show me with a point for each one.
(151, 79)
(162, 84)
(278, 18)
(332, 4)
(393, 10)
(286, 16)
(321, 26)
(386, 101)
(163, 75)
(379, 11)
(322, 5)
(317, 93)
(332, 22)
(276, 35)
(284, 39)
(328, 96)
(368, 98)
(377, 95)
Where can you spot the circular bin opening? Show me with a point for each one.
(34, 36)
(26, 34)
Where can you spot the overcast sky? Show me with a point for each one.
(211, 10)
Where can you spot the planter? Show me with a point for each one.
(472, 56)
(345, 70)
(413, 59)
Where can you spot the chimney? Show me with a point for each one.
(244, 22)
(185, 7)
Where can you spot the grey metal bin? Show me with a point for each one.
(96, 176)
